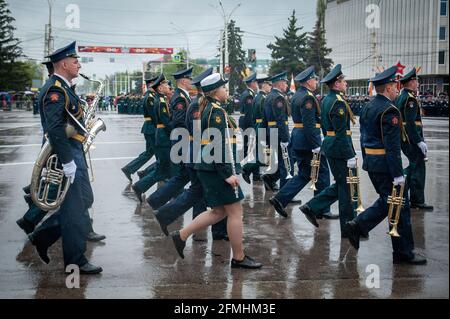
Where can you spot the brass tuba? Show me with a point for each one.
(49, 185)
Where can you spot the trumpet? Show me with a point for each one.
(355, 192)
(396, 202)
(286, 160)
(315, 165)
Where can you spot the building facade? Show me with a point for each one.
(367, 36)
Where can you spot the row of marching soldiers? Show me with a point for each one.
(320, 141)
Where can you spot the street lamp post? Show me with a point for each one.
(187, 42)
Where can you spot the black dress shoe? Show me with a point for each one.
(137, 192)
(179, 243)
(295, 201)
(28, 200)
(94, 237)
(140, 174)
(329, 216)
(353, 233)
(41, 249)
(89, 269)
(221, 237)
(161, 224)
(309, 215)
(246, 177)
(128, 175)
(28, 227)
(268, 185)
(416, 260)
(421, 206)
(278, 207)
(247, 263)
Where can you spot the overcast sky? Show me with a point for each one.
(149, 23)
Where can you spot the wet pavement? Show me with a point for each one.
(140, 262)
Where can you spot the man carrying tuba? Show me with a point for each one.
(60, 105)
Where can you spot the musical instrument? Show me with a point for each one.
(286, 160)
(315, 165)
(395, 202)
(46, 175)
(355, 192)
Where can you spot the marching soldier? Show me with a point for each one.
(276, 117)
(257, 117)
(70, 221)
(381, 134)
(178, 104)
(161, 115)
(246, 104)
(337, 146)
(218, 178)
(148, 129)
(306, 140)
(193, 196)
(414, 146)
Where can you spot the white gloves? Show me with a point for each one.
(351, 163)
(399, 180)
(423, 147)
(284, 145)
(316, 150)
(69, 170)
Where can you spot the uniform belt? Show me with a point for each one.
(258, 120)
(233, 140)
(275, 123)
(418, 123)
(160, 126)
(300, 125)
(205, 142)
(375, 151)
(333, 133)
(191, 138)
(79, 138)
(147, 118)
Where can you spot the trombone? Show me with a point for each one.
(355, 192)
(395, 202)
(315, 165)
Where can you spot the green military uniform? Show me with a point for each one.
(337, 146)
(212, 175)
(415, 173)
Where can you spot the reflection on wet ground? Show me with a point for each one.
(140, 262)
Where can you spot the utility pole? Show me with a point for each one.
(226, 20)
(187, 41)
(48, 39)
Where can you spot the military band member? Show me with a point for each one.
(257, 117)
(218, 178)
(148, 129)
(161, 115)
(414, 147)
(337, 146)
(246, 105)
(306, 139)
(193, 196)
(276, 115)
(70, 221)
(178, 104)
(381, 135)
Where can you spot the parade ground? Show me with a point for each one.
(139, 261)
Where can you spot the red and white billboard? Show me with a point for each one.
(106, 49)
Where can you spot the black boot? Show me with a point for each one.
(41, 249)
(28, 227)
(353, 234)
(309, 215)
(278, 207)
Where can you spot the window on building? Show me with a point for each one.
(441, 57)
(442, 33)
(444, 8)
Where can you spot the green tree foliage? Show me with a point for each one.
(289, 53)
